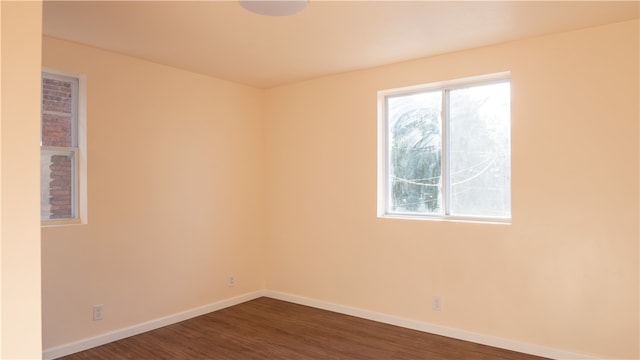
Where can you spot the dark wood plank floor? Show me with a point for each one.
(266, 328)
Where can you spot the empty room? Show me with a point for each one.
(438, 180)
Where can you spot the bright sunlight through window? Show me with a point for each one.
(445, 150)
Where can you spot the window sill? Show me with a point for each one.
(56, 223)
(463, 219)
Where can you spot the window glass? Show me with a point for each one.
(57, 185)
(447, 150)
(59, 148)
(58, 125)
(479, 123)
(415, 153)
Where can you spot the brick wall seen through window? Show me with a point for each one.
(59, 147)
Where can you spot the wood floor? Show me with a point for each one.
(266, 328)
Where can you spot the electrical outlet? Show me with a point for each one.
(231, 281)
(437, 303)
(97, 312)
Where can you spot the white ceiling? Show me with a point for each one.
(222, 39)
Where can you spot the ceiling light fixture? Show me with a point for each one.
(274, 8)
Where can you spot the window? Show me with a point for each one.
(445, 150)
(62, 149)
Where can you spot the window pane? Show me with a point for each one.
(414, 153)
(57, 184)
(480, 156)
(58, 111)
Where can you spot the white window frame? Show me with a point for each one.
(384, 194)
(79, 191)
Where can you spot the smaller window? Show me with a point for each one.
(62, 147)
(445, 150)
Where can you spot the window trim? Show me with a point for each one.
(80, 151)
(383, 193)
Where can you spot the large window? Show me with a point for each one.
(61, 147)
(445, 150)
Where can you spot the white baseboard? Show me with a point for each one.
(532, 349)
(507, 344)
(74, 347)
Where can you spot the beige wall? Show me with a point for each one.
(175, 197)
(20, 301)
(563, 275)
(182, 192)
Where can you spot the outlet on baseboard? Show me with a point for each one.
(97, 312)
